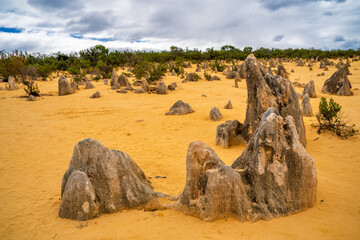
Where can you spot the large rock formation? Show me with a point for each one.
(213, 190)
(100, 180)
(279, 173)
(273, 177)
(265, 91)
(180, 108)
(161, 88)
(242, 71)
(123, 81)
(12, 83)
(65, 87)
(114, 77)
(338, 84)
(310, 89)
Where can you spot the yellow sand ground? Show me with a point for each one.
(37, 140)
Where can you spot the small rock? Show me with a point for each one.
(121, 91)
(180, 108)
(31, 98)
(161, 89)
(228, 105)
(215, 77)
(172, 86)
(215, 114)
(139, 90)
(95, 95)
(306, 106)
(89, 85)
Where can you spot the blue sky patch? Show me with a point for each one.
(11, 30)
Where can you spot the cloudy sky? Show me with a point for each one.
(50, 26)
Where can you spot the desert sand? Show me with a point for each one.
(37, 140)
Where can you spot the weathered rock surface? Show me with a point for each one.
(123, 81)
(229, 133)
(228, 105)
(306, 106)
(180, 108)
(65, 87)
(100, 180)
(191, 77)
(338, 84)
(279, 173)
(114, 77)
(12, 83)
(215, 114)
(265, 91)
(74, 86)
(242, 71)
(213, 190)
(139, 90)
(145, 85)
(281, 71)
(310, 89)
(161, 88)
(95, 95)
(116, 86)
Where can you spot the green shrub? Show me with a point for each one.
(156, 73)
(330, 118)
(217, 65)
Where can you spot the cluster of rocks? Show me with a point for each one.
(338, 84)
(273, 177)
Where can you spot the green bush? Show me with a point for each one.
(156, 73)
(217, 65)
(330, 118)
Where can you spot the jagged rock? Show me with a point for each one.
(172, 86)
(114, 77)
(213, 190)
(310, 89)
(99, 181)
(272, 63)
(123, 81)
(12, 83)
(180, 108)
(265, 91)
(300, 63)
(145, 86)
(338, 84)
(95, 95)
(306, 106)
(139, 90)
(270, 71)
(322, 65)
(64, 87)
(81, 82)
(191, 77)
(215, 114)
(282, 72)
(161, 88)
(215, 77)
(31, 98)
(339, 65)
(89, 85)
(229, 133)
(232, 75)
(279, 173)
(228, 105)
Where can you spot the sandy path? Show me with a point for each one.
(37, 139)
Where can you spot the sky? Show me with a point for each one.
(50, 26)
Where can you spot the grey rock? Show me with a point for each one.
(129, 87)
(116, 86)
(281, 71)
(161, 88)
(172, 86)
(31, 98)
(123, 81)
(145, 85)
(229, 133)
(232, 75)
(12, 83)
(228, 105)
(114, 77)
(64, 87)
(139, 90)
(338, 84)
(95, 95)
(99, 181)
(279, 173)
(89, 85)
(215, 77)
(242, 71)
(122, 91)
(310, 89)
(180, 108)
(215, 114)
(191, 77)
(306, 106)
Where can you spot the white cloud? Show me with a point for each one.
(159, 24)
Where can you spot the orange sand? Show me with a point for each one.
(37, 139)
